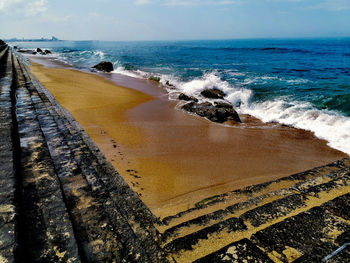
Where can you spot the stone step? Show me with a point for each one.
(309, 236)
(3, 53)
(306, 237)
(241, 251)
(221, 202)
(2, 47)
(234, 210)
(7, 163)
(214, 238)
(45, 232)
(97, 191)
(238, 208)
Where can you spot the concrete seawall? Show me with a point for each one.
(62, 201)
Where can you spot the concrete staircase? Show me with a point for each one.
(279, 221)
(61, 201)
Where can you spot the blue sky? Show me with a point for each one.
(174, 19)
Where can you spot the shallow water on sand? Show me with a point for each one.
(170, 158)
(303, 83)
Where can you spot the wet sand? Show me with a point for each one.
(171, 158)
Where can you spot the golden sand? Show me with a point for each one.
(173, 159)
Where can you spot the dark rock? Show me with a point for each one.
(104, 66)
(156, 79)
(25, 51)
(15, 47)
(39, 50)
(34, 53)
(2, 42)
(169, 84)
(183, 96)
(211, 112)
(223, 105)
(47, 51)
(213, 94)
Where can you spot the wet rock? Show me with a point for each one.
(48, 51)
(2, 42)
(183, 96)
(169, 84)
(154, 78)
(39, 50)
(213, 94)
(104, 66)
(212, 112)
(26, 51)
(223, 105)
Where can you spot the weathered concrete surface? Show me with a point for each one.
(7, 166)
(62, 201)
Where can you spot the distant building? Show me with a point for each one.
(53, 38)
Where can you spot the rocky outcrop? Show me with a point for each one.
(223, 105)
(183, 96)
(213, 93)
(39, 50)
(211, 112)
(105, 66)
(47, 51)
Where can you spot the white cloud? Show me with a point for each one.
(142, 2)
(333, 5)
(36, 7)
(30, 8)
(199, 2)
(7, 4)
(179, 3)
(189, 2)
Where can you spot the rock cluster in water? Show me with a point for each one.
(211, 112)
(213, 94)
(33, 52)
(219, 112)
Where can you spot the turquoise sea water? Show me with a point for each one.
(304, 83)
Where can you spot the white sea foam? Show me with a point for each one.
(327, 125)
(297, 81)
(99, 54)
(330, 126)
(235, 95)
(121, 70)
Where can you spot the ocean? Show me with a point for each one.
(303, 83)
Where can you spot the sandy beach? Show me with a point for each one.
(169, 157)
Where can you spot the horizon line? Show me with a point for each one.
(180, 40)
